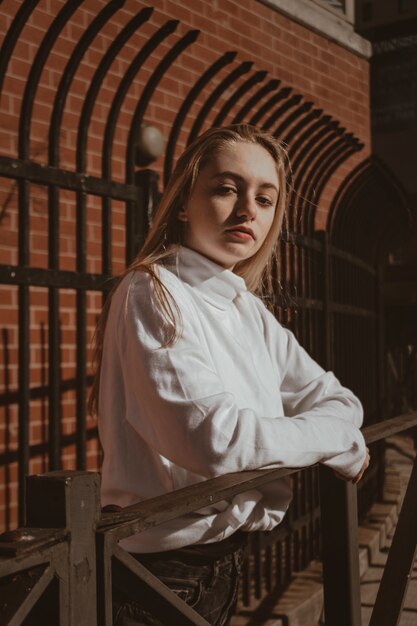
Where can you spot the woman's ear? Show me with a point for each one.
(182, 215)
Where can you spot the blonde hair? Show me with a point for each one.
(167, 229)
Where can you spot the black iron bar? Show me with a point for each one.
(40, 277)
(281, 110)
(13, 34)
(335, 162)
(168, 59)
(327, 301)
(250, 104)
(7, 425)
(135, 66)
(107, 152)
(73, 181)
(353, 260)
(303, 172)
(380, 364)
(323, 174)
(132, 207)
(23, 185)
(298, 148)
(41, 449)
(212, 99)
(343, 193)
(41, 57)
(282, 94)
(81, 313)
(69, 72)
(257, 565)
(234, 98)
(189, 100)
(302, 110)
(54, 352)
(303, 155)
(125, 34)
(24, 343)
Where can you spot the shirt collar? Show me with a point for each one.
(216, 284)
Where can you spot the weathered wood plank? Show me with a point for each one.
(339, 523)
(153, 594)
(397, 571)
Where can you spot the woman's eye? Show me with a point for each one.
(226, 190)
(264, 200)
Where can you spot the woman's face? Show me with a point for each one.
(232, 206)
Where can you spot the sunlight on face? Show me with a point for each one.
(232, 206)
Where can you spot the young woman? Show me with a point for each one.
(197, 379)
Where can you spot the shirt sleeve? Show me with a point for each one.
(176, 402)
(308, 391)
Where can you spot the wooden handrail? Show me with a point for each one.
(22, 548)
(161, 509)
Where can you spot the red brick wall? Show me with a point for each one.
(333, 78)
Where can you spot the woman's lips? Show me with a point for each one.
(242, 233)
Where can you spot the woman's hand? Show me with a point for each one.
(361, 472)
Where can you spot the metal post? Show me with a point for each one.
(381, 361)
(339, 522)
(70, 500)
(139, 214)
(327, 295)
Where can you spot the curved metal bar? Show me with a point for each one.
(82, 137)
(12, 36)
(301, 110)
(23, 208)
(355, 210)
(253, 100)
(312, 145)
(352, 218)
(230, 102)
(277, 97)
(167, 29)
(34, 75)
(313, 155)
(341, 198)
(371, 200)
(308, 190)
(331, 167)
(189, 100)
(133, 241)
(97, 80)
(150, 87)
(53, 210)
(313, 142)
(300, 143)
(301, 124)
(291, 102)
(69, 72)
(341, 225)
(107, 152)
(328, 166)
(243, 68)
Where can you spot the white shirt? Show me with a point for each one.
(235, 392)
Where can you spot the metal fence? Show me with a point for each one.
(329, 297)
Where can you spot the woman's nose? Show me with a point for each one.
(246, 207)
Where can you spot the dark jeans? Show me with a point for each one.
(210, 588)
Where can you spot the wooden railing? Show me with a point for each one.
(69, 547)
